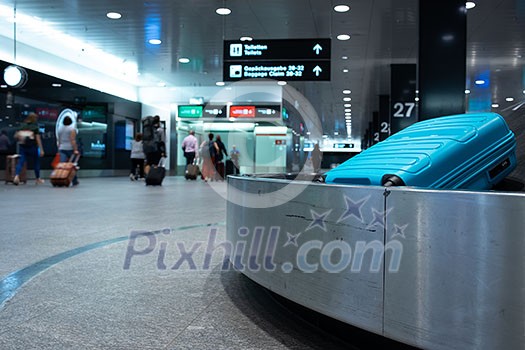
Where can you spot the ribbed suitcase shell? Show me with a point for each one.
(464, 151)
(63, 174)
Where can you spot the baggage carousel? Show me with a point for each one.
(434, 269)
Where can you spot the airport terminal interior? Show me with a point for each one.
(272, 248)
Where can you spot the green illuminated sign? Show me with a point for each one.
(190, 111)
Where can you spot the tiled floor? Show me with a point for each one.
(65, 283)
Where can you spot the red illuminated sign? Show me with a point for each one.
(242, 111)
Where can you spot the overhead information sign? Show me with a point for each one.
(214, 111)
(343, 145)
(242, 111)
(285, 49)
(259, 111)
(281, 70)
(286, 59)
(270, 111)
(192, 111)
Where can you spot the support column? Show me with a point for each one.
(442, 58)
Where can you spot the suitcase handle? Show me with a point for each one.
(389, 180)
(74, 158)
(162, 162)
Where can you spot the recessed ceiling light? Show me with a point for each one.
(184, 60)
(345, 70)
(5, 87)
(343, 37)
(57, 85)
(348, 114)
(220, 83)
(416, 99)
(246, 38)
(480, 82)
(223, 11)
(467, 91)
(509, 99)
(495, 105)
(344, 57)
(347, 99)
(348, 110)
(341, 8)
(113, 15)
(523, 91)
(282, 83)
(470, 5)
(346, 92)
(347, 105)
(155, 41)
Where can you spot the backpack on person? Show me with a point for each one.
(148, 135)
(211, 149)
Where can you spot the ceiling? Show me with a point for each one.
(382, 32)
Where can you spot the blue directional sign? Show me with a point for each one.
(283, 59)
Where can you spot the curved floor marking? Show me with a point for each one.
(10, 284)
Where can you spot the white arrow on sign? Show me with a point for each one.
(317, 70)
(317, 48)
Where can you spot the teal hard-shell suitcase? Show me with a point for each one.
(465, 151)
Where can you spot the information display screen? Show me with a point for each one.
(92, 132)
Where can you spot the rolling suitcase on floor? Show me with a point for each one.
(10, 169)
(156, 174)
(192, 171)
(64, 172)
(230, 167)
(466, 151)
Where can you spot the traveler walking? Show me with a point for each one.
(221, 152)
(207, 151)
(189, 147)
(137, 158)
(30, 142)
(67, 143)
(153, 140)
